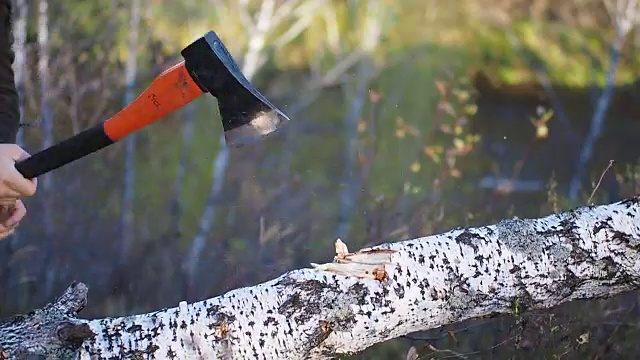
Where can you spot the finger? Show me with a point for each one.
(15, 183)
(17, 213)
(18, 183)
(22, 186)
(7, 233)
(6, 212)
(4, 227)
(10, 217)
(7, 202)
(14, 151)
(8, 194)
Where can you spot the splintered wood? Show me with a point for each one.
(367, 263)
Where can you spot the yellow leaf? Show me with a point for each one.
(362, 126)
(458, 143)
(447, 108)
(432, 154)
(471, 109)
(542, 132)
(442, 87)
(415, 167)
(461, 95)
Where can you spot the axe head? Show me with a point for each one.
(247, 115)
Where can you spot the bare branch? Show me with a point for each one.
(287, 8)
(303, 22)
(245, 15)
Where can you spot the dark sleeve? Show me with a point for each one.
(9, 107)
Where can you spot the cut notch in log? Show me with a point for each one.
(367, 263)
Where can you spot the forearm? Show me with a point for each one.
(9, 109)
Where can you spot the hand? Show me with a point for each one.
(13, 186)
(10, 217)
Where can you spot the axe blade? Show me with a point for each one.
(247, 115)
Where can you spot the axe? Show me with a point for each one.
(247, 115)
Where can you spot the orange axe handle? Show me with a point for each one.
(169, 91)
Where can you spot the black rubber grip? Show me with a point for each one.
(65, 152)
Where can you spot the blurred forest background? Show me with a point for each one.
(408, 118)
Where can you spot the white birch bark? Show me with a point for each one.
(218, 168)
(19, 64)
(188, 121)
(369, 296)
(46, 180)
(266, 20)
(19, 70)
(45, 88)
(351, 183)
(126, 221)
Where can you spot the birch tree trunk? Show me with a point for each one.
(46, 110)
(19, 70)
(45, 104)
(365, 297)
(208, 216)
(126, 221)
(188, 121)
(267, 19)
(19, 64)
(351, 184)
(625, 15)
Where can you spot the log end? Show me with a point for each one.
(51, 332)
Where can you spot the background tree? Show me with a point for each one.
(451, 114)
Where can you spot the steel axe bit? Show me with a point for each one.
(247, 115)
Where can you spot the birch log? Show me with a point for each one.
(366, 297)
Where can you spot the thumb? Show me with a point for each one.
(14, 179)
